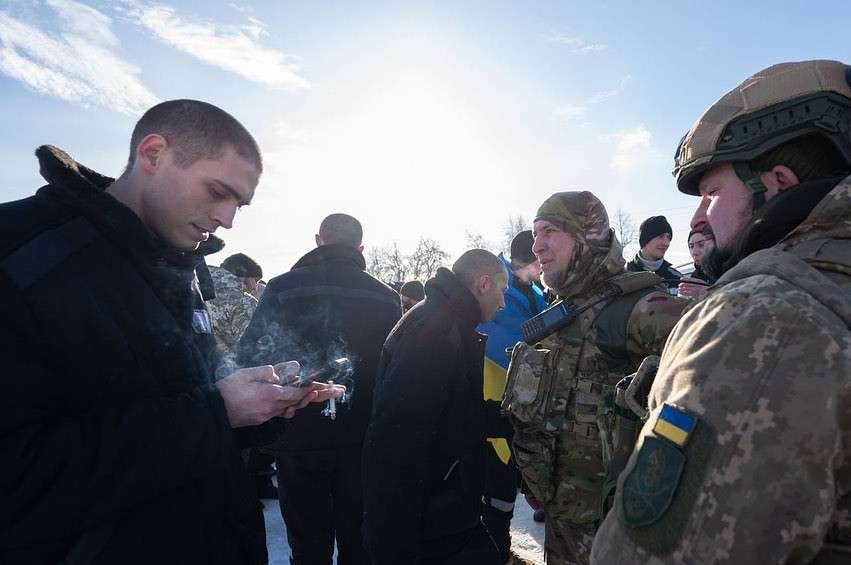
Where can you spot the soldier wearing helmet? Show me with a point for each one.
(744, 456)
(561, 386)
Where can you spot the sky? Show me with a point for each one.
(421, 119)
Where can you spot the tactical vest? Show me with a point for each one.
(560, 398)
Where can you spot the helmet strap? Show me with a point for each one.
(753, 182)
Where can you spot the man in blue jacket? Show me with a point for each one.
(523, 299)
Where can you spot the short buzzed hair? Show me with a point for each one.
(475, 263)
(195, 130)
(241, 265)
(341, 229)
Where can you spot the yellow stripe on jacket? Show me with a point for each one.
(494, 389)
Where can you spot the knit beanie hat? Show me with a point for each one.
(652, 227)
(413, 289)
(521, 248)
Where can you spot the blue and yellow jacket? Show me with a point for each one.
(503, 332)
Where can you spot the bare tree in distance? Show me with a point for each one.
(387, 264)
(624, 227)
(513, 225)
(426, 259)
(476, 240)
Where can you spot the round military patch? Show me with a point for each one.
(649, 488)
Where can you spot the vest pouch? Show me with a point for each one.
(534, 453)
(529, 384)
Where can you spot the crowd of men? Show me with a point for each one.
(648, 416)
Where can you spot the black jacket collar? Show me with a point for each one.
(332, 253)
(445, 287)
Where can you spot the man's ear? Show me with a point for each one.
(318, 240)
(360, 248)
(779, 179)
(485, 283)
(149, 151)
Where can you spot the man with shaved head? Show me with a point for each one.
(324, 308)
(423, 460)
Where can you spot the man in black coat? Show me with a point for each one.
(424, 452)
(325, 308)
(654, 237)
(116, 445)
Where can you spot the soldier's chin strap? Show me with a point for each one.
(752, 181)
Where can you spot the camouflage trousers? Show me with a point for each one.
(567, 543)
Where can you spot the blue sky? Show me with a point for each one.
(420, 118)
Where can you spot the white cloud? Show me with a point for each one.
(605, 95)
(591, 48)
(234, 49)
(569, 112)
(84, 21)
(578, 45)
(631, 148)
(75, 64)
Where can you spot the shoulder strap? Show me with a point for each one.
(613, 319)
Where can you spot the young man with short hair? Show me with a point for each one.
(118, 447)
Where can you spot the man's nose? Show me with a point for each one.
(699, 217)
(223, 215)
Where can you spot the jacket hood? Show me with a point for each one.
(85, 190)
(597, 253)
(445, 286)
(830, 218)
(332, 253)
(590, 270)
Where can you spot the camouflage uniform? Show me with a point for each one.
(230, 312)
(764, 363)
(756, 380)
(560, 390)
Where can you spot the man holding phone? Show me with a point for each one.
(117, 445)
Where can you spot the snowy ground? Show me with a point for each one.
(527, 536)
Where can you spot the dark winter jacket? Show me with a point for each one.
(115, 445)
(326, 307)
(423, 453)
(666, 272)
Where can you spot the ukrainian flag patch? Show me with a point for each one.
(674, 425)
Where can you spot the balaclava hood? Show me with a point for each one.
(597, 254)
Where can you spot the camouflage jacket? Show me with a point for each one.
(562, 437)
(746, 455)
(230, 312)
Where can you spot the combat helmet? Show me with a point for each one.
(776, 105)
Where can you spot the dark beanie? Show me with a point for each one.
(521, 248)
(652, 227)
(413, 289)
(242, 265)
